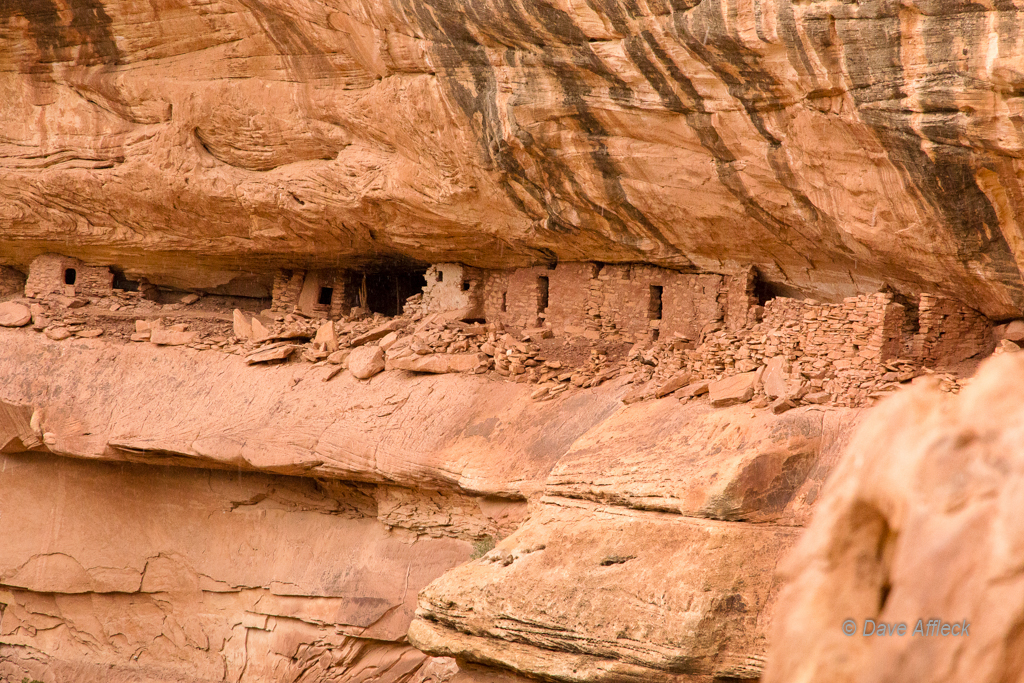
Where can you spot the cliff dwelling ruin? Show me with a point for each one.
(490, 342)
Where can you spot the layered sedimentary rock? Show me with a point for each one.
(135, 573)
(919, 526)
(833, 145)
(173, 514)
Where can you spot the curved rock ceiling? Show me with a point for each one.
(837, 146)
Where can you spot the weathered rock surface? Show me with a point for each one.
(834, 145)
(585, 592)
(732, 390)
(166, 405)
(14, 314)
(921, 520)
(127, 573)
(734, 464)
(445, 458)
(630, 611)
(439, 363)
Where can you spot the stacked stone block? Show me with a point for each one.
(740, 299)
(287, 286)
(524, 306)
(46, 275)
(949, 332)
(454, 287)
(569, 300)
(495, 296)
(688, 301)
(299, 291)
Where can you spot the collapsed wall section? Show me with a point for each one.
(859, 330)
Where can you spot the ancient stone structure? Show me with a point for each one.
(454, 287)
(316, 293)
(56, 274)
(949, 332)
(638, 300)
(647, 302)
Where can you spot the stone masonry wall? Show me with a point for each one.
(741, 308)
(523, 296)
(46, 276)
(688, 302)
(454, 287)
(949, 332)
(569, 301)
(588, 298)
(299, 290)
(495, 295)
(287, 286)
(843, 349)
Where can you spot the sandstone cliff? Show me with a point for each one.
(171, 514)
(836, 146)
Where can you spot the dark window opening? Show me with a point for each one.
(326, 296)
(387, 290)
(124, 284)
(70, 275)
(654, 305)
(542, 294)
(655, 333)
(504, 302)
(440, 276)
(766, 291)
(465, 286)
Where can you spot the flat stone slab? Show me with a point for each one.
(440, 363)
(732, 390)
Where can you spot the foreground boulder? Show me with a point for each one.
(630, 611)
(921, 521)
(366, 361)
(14, 314)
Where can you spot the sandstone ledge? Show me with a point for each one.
(398, 462)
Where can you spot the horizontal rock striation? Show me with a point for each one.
(836, 146)
(181, 515)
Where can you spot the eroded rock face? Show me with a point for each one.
(640, 562)
(834, 145)
(134, 573)
(588, 594)
(921, 521)
(643, 554)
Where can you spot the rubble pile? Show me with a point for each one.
(790, 352)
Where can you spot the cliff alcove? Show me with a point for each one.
(495, 342)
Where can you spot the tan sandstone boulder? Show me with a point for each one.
(920, 525)
(13, 314)
(732, 390)
(366, 361)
